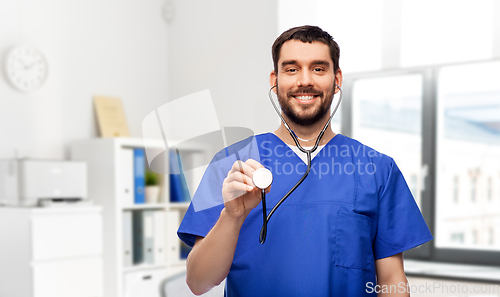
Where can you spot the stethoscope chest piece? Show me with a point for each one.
(262, 178)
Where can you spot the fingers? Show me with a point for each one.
(233, 190)
(239, 177)
(246, 168)
(242, 167)
(238, 187)
(254, 164)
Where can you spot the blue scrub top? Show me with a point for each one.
(353, 208)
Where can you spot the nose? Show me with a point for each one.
(305, 79)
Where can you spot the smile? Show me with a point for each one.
(305, 98)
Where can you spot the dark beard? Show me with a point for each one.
(304, 120)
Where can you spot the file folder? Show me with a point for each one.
(172, 249)
(138, 237)
(127, 239)
(148, 231)
(127, 176)
(159, 237)
(179, 191)
(139, 172)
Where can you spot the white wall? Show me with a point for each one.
(114, 48)
(225, 46)
(126, 49)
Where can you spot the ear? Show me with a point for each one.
(273, 80)
(338, 80)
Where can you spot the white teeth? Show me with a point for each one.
(304, 97)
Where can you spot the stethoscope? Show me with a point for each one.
(262, 177)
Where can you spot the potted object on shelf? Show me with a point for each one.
(152, 187)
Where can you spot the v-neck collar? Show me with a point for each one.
(295, 154)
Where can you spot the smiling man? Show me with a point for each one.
(342, 232)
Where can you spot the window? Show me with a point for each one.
(455, 189)
(390, 121)
(457, 238)
(445, 136)
(490, 188)
(366, 30)
(453, 31)
(474, 237)
(473, 188)
(413, 184)
(468, 144)
(337, 118)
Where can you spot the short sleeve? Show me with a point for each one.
(400, 225)
(197, 224)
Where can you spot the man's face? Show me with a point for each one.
(306, 81)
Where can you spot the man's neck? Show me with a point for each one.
(308, 133)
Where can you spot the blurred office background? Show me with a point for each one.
(421, 85)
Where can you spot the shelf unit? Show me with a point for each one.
(105, 182)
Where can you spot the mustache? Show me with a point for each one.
(304, 91)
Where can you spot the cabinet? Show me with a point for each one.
(51, 252)
(107, 188)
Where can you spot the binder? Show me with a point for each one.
(127, 239)
(172, 252)
(148, 241)
(139, 171)
(127, 179)
(137, 237)
(179, 191)
(159, 237)
(143, 238)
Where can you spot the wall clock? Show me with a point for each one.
(26, 68)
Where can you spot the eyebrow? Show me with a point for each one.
(315, 62)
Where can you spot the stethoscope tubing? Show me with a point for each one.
(267, 217)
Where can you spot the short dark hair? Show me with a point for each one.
(306, 34)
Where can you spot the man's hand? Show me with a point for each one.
(238, 191)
